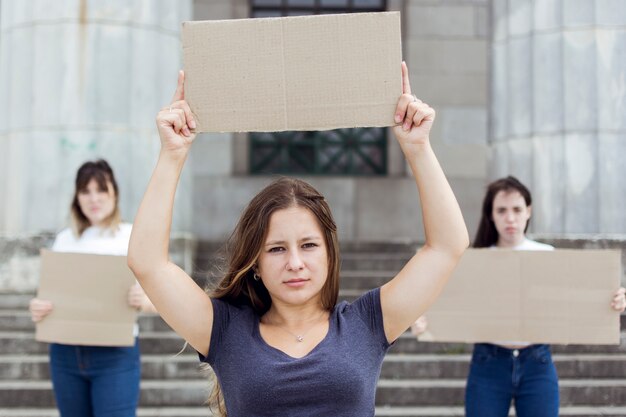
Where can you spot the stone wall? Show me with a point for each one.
(20, 261)
(445, 45)
(558, 110)
(84, 79)
(81, 80)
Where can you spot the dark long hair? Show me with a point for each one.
(245, 244)
(102, 173)
(487, 235)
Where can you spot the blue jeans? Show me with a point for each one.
(498, 375)
(95, 381)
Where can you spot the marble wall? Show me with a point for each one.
(530, 88)
(80, 80)
(558, 110)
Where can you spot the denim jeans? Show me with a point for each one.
(499, 375)
(95, 381)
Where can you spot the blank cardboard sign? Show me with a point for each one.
(560, 296)
(89, 294)
(293, 73)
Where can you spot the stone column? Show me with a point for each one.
(558, 110)
(79, 80)
(446, 44)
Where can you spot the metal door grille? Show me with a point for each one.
(360, 151)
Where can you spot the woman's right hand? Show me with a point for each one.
(39, 309)
(414, 118)
(176, 123)
(419, 326)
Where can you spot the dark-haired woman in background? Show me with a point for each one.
(512, 370)
(95, 380)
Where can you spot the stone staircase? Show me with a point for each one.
(418, 379)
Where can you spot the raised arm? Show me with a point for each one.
(177, 298)
(409, 294)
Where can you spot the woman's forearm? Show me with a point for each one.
(149, 243)
(444, 226)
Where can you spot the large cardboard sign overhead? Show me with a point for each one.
(293, 73)
(89, 294)
(560, 296)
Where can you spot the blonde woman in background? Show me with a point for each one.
(95, 380)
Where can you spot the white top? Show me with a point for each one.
(527, 244)
(95, 240)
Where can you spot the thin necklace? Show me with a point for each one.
(299, 337)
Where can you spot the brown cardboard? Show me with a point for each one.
(560, 296)
(293, 73)
(89, 294)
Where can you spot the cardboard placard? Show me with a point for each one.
(560, 296)
(293, 73)
(89, 294)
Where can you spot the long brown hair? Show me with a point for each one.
(487, 235)
(101, 172)
(245, 244)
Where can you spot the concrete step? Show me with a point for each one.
(153, 367)
(581, 411)
(169, 343)
(408, 344)
(19, 320)
(171, 393)
(380, 411)
(366, 279)
(374, 261)
(15, 301)
(166, 343)
(141, 412)
(450, 392)
(429, 366)
(395, 366)
(397, 393)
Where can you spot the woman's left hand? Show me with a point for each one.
(136, 297)
(420, 326)
(413, 118)
(175, 123)
(619, 300)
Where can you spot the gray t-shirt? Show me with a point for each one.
(337, 378)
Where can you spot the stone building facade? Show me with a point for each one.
(530, 88)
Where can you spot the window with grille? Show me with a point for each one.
(360, 151)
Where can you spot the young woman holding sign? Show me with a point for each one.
(513, 370)
(509, 371)
(95, 380)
